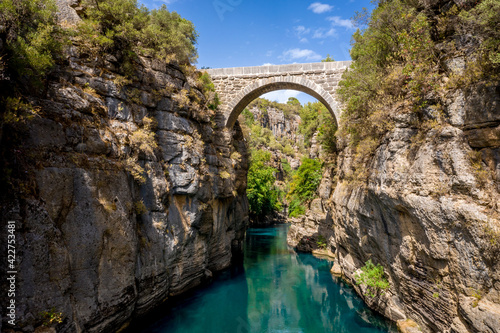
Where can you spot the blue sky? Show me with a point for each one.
(237, 33)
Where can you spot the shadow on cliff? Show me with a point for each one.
(315, 241)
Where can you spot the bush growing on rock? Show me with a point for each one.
(315, 118)
(373, 277)
(33, 40)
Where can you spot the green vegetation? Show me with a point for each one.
(208, 89)
(316, 118)
(373, 277)
(31, 44)
(483, 20)
(322, 244)
(125, 27)
(263, 195)
(398, 67)
(290, 109)
(33, 40)
(51, 317)
(248, 116)
(303, 187)
(328, 59)
(299, 185)
(478, 295)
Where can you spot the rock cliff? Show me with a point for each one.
(429, 214)
(101, 237)
(284, 130)
(276, 120)
(421, 197)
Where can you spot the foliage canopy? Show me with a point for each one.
(123, 25)
(33, 40)
(304, 184)
(263, 196)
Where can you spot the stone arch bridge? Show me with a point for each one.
(238, 86)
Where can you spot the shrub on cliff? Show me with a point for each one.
(315, 118)
(373, 277)
(30, 45)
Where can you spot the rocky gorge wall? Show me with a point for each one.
(284, 130)
(94, 242)
(429, 214)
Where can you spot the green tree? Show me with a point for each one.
(328, 59)
(397, 51)
(33, 40)
(303, 187)
(125, 28)
(293, 101)
(316, 118)
(248, 116)
(327, 135)
(263, 196)
(309, 120)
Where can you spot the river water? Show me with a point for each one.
(274, 290)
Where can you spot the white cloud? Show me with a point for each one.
(319, 8)
(301, 30)
(323, 33)
(267, 64)
(339, 22)
(280, 96)
(297, 53)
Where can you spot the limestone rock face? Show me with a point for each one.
(94, 243)
(275, 120)
(67, 13)
(429, 214)
(316, 226)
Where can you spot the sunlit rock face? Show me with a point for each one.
(93, 242)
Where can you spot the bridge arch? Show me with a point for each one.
(238, 86)
(262, 86)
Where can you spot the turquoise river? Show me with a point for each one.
(274, 290)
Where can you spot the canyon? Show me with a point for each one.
(127, 191)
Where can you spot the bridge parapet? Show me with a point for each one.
(292, 69)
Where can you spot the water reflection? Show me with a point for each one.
(276, 290)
